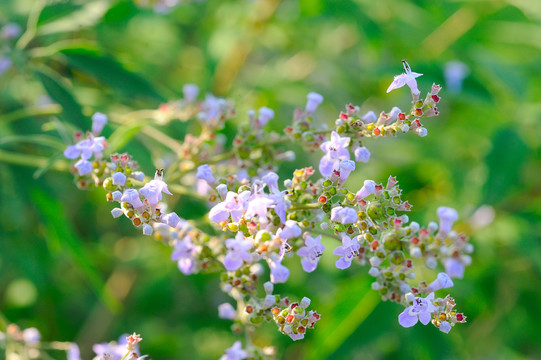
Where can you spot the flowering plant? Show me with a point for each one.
(258, 219)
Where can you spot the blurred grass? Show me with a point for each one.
(94, 277)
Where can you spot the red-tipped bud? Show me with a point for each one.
(436, 98)
(401, 116)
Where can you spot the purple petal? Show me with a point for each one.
(407, 320)
(424, 317)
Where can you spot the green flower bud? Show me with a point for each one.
(375, 210)
(391, 241)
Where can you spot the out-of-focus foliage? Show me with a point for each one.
(72, 271)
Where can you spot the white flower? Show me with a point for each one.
(405, 79)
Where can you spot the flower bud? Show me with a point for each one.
(190, 92)
(314, 99)
(98, 122)
(147, 229)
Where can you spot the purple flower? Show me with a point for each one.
(119, 179)
(310, 253)
(147, 230)
(234, 205)
(344, 215)
(314, 99)
(235, 352)
(152, 190)
(204, 172)
(5, 64)
(73, 352)
(171, 219)
(265, 114)
(271, 179)
(132, 196)
(184, 254)
(394, 113)
(279, 273)
(369, 187)
(369, 117)
(405, 79)
(86, 148)
(259, 205)
(447, 217)
(443, 281)
(348, 250)
(346, 167)
(84, 167)
(445, 327)
(290, 230)
(454, 268)
(114, 349)
(361, 154)
(11, 30)
(420, 311)
(238, 251)
(190, 92)
(98, 122)
(227, 311)
(116, 212)
(455, 72)
(335, 150)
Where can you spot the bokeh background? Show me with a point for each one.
(75, 273)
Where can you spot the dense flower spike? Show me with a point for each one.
(261, 220)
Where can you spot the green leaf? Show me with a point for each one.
(35, 139)
(122, 135)
(48, 165)
(505, 162)
(59, 92)
(76, 18)
(60, 231)
(111, 73)
(356, 300)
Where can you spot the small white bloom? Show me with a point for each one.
(147, 229)
(406, 79)
(116, 212)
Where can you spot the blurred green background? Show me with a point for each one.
(75, 273)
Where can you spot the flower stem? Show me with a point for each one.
(310, 206)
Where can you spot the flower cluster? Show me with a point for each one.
(261, 220)
(27, 344)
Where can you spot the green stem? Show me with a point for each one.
(31, 161)
(31, 25)
(47, 110)
(310, 206)
(324, 233)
